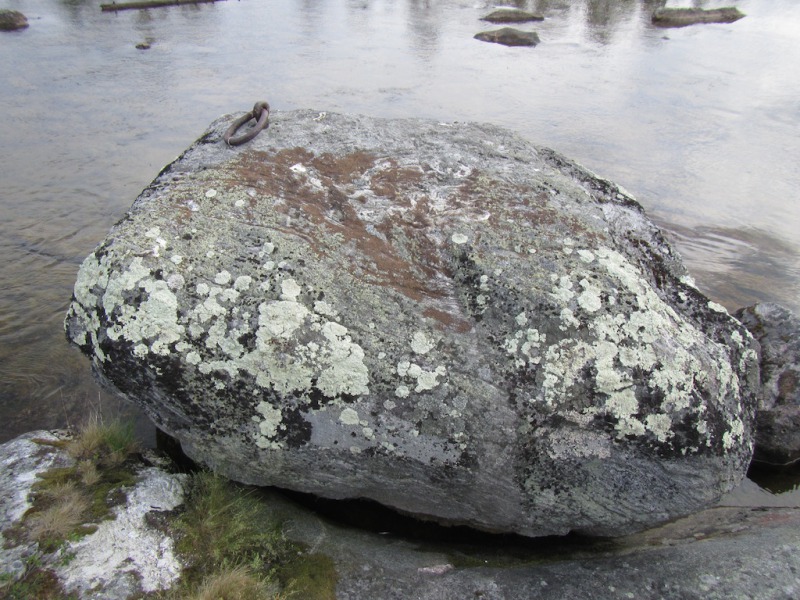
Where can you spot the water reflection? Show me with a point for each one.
(739, 266)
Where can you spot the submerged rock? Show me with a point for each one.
(777, 329)
(511, 15)
(681, 17)
(11, 20)
(441, 317)
(508, 36)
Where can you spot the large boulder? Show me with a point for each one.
(777, 330)
(441, 317)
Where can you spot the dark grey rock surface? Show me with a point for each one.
(441, 317)
(777, 329)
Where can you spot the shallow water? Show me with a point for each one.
(699, 123)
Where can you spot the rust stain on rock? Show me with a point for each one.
(323, 196)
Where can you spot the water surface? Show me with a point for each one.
(699, 123)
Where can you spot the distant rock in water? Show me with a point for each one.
(777, 329)
(508, 36)
(511, 15)
(441, 317)
(11, 20)
(681, 17)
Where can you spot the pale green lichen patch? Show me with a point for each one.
(421, 343)
(621, 353)
(268, 426)
(349, 417)
(425, 379)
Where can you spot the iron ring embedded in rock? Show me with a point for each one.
(260, 113)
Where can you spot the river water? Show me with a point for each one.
(701, 124)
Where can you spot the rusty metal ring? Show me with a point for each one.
(260, 113)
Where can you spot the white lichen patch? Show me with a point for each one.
(459, 238)
(242, 283)
(152, 326)
(349, 417)
(525, 346)
(563, 292)
(127, 545)
(323, 308)
(589, 299)
(268, 423)
(717, 307)
(421, 343)
(290, 290)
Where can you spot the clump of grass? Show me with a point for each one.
(66, 499)
(237, 583)
(104, 444)
(235, 549)
(88, 473)
(310, 576)
(224, 524)
(62, 510)
(37, 582)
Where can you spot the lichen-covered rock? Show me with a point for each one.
(123, 558)
(441, 317)
(21, 459)
(11, 20)
(509, 36)
(777, 329)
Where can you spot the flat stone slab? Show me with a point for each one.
(681, 17)
(511, 15)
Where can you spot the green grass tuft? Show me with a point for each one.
(310, 576)
(105, 444)
(238, 583)
(235, 549)
(224, 524)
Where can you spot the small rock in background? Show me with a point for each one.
(11, 20)
(508, 36)
(777, 329)
(681, 17)
(511, 15)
